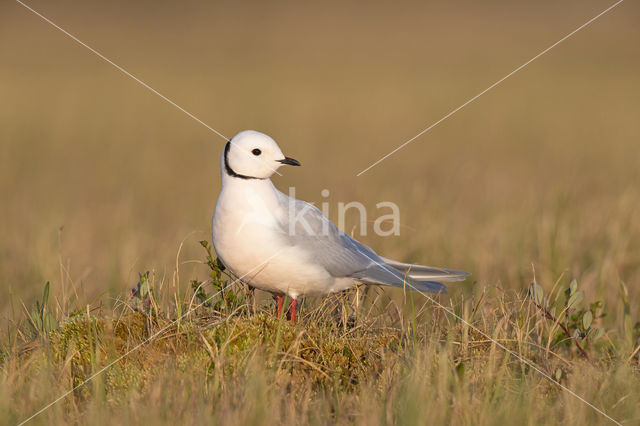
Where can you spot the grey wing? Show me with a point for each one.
(308, 228)
(342, 256)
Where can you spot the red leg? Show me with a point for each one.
(279, 309)
(292, 307)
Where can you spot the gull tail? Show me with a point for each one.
(427, 273)
(394, 278)
(403, 275)
(427, 286)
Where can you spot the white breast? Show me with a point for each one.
(249, 238)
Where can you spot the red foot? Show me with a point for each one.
(292, 308)
(279, 309)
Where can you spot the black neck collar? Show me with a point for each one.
(228, 168)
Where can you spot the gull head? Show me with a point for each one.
(253, 155)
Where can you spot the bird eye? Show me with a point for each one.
(256, 152)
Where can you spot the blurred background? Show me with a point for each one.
(101, 179)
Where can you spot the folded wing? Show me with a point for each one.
(345, 257)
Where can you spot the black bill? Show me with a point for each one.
(289, 161)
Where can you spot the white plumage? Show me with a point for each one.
(287, 246)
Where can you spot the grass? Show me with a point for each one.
(357, 357)
(100, 181)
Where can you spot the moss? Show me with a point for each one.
(77, 340)
(317, 353)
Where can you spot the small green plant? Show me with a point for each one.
(41, 320)
(229, 299)
(571, 323)
(142, 294)
(200, 294)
